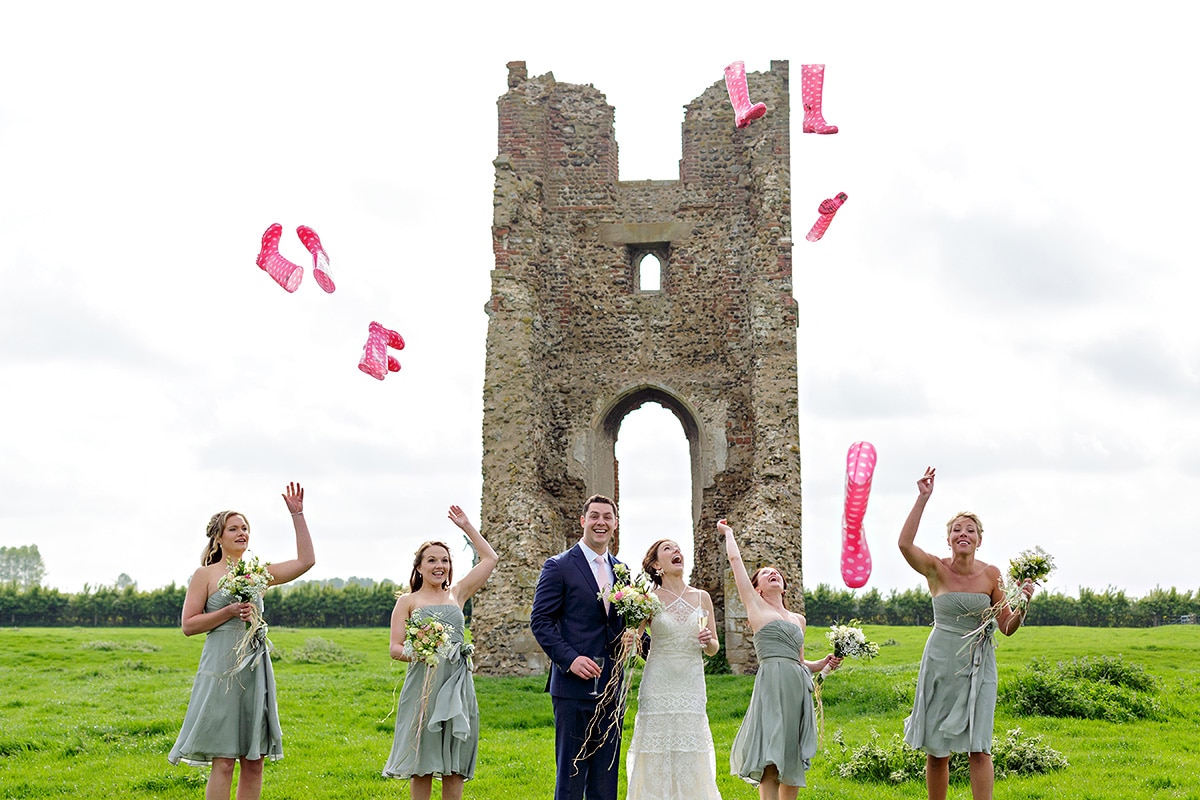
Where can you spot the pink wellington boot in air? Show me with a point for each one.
(739, 95)
(812, 87)
(320, 258)
(375, 360)
(826, 210)
(285, 273)
(856, 558)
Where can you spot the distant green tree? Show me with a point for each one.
(21, 566)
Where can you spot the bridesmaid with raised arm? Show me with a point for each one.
(955, 704)
(232, 717)
(778, 737)
(437, 719)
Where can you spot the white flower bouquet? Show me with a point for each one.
(247, 581)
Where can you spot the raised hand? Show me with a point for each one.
(925, 484)
(294, 497)
(459, 517)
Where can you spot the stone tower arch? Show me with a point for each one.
(574, 344)
(596, 451)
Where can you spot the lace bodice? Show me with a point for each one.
(676, 629)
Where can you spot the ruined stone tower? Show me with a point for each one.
(575, 342)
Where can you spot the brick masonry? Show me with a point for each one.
(574, 344)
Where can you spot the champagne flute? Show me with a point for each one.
(702, 622)
(596, 680)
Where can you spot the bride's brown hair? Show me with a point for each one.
(651, 557)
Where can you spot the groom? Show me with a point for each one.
(574, 627)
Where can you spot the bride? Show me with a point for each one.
(671, 756)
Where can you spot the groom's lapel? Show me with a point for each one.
(585, 569)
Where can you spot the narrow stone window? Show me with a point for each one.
(649, 273)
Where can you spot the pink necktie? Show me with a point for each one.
(602, 577)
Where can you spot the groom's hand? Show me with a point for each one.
(584, 667)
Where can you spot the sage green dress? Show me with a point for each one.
(232, 712)
(955, 705)
(780, 727)
(437, 718)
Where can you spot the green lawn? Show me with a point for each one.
(91, 713)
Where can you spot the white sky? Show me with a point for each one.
(1008, 294)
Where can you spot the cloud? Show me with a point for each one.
(849, 395)
(1003, 263)
(331, 456)
(1138, 362)
(42, 319)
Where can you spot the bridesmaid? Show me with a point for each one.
(232, 717)
(778, 737)
(437, 719)
(955, 703)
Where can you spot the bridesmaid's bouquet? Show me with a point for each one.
(425, 640)
(1030, 565)
(848, 641)
(247, 581)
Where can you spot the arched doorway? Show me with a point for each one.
(653, 484)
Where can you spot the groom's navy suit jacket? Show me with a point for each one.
(569, 620)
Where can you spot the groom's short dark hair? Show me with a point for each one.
(599, 498)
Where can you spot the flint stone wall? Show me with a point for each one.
(574, 345)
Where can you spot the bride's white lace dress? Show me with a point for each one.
(671, 755)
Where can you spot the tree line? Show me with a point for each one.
(1111, 608)
(363, 603)
(310, 605)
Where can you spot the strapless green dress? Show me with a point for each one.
(780, 727)
(232, 712)
(437, 720)
(955, 705)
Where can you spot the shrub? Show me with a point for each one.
(317, 650)
(893, 761)
(1086, 688)
(882, 760)
(141, 647)
(1016, 754)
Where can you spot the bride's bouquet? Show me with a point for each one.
(246, 582)
(848, 641)
(633, 598)
(635, 603)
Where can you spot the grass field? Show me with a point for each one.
(91, 713)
